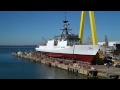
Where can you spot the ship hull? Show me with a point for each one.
(85, 58)
(84, 53)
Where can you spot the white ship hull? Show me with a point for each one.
(75, 49)
(84, 53)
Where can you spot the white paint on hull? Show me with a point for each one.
(75, 49)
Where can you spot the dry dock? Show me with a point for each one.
(75, 67)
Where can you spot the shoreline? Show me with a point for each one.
(68, 65)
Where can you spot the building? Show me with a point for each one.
(112, 46)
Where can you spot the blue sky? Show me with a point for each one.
(28, 27)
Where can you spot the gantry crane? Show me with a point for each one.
(92, 24)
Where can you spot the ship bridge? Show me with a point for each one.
(73, 40)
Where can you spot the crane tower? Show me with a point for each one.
(92, 24)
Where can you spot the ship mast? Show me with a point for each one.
(66, 28)
(65, 16)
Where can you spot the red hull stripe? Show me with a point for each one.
(85, 58)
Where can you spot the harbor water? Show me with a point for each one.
(12, 67)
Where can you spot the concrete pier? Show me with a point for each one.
(75, 67)
(108, 72)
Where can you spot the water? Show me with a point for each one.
(12, 67)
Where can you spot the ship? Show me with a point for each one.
(67, 45)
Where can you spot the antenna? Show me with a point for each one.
(65, 16)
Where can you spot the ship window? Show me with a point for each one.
(65, 39)
(55, 43)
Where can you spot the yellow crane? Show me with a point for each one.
(92, 24)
